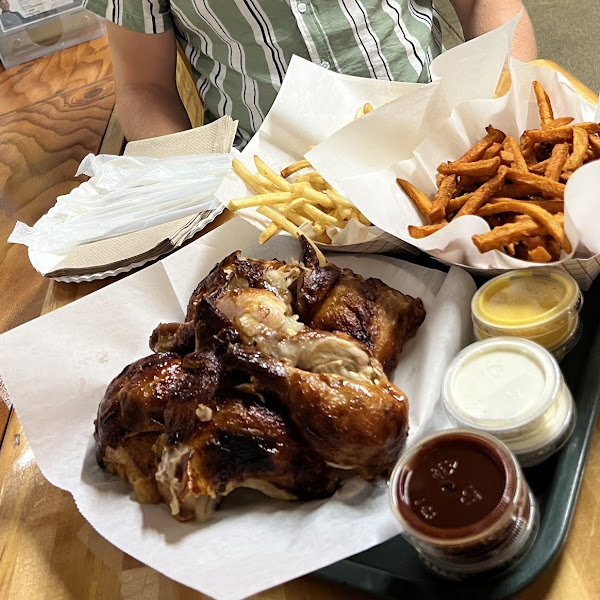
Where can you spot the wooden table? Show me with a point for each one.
(54, 111)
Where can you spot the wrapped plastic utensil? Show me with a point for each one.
(125, 194)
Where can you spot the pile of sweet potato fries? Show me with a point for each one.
(517, 187)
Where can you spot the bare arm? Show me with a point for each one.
(480, 16)
(147, 100)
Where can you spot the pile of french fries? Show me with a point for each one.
(516, 186)
(308, 199)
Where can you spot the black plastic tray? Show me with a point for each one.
(393, 569)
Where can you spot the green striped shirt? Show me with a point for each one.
(240, 49)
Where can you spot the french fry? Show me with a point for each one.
(250, 180)
(269, 186)
(474, 169)
(268, 233)
(419, 199)
(337, 198)
(483, 194)
(259, 200)
(295, 167)
(422, 231)
(580, 146)
(304, 190)
(318, 215)
(367, 108)
(544, 106)
(273, 177)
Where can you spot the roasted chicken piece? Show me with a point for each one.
(131, 418)
(358, 422)
(233, 272)
(240, 442)
(334, 299)
(180, 434)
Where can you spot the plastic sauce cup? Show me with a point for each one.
(464, 504)
(514, 390)
(538, 304)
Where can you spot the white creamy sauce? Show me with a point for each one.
(498, 385)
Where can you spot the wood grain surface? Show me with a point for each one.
(71, 69)
(41, 146)
(47, 550)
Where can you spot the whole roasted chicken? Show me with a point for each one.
(273, 382)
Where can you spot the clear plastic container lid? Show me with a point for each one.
(511, 388)
(540, 304)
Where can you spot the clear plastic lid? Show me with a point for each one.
(511, 388)
(540, 304)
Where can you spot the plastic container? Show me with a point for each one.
(48, 35)
(464, 504)
(513, 389)
(538, 304)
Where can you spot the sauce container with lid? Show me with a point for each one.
(539, 304)
(512, 389)
(464, 504)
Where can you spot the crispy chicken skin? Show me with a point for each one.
(358, 422)
(334, 299)
(179, 434)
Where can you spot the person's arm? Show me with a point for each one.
(147, 100)
(480, 16)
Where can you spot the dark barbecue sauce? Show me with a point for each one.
(455, 483)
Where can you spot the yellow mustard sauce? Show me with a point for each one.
(536, 304)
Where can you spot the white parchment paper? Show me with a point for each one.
(57, 367)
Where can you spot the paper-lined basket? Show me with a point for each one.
(451, 121)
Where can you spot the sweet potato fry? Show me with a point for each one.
(544, 106)
(552, 206)
(422, 231)
(504, 235)
(595, 144)
(539, 168)
(476, 152)
(557, 161)
(445, 192)
(518, 161)
(539, 254)
(419, 199)
(478, 168)
(543, 217)
(492, 151)
(484, 193)
(560, 134)
(580, 146)
(560, 122)
(542, 184)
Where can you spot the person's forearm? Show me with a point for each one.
(480, 16)
(146, 112)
